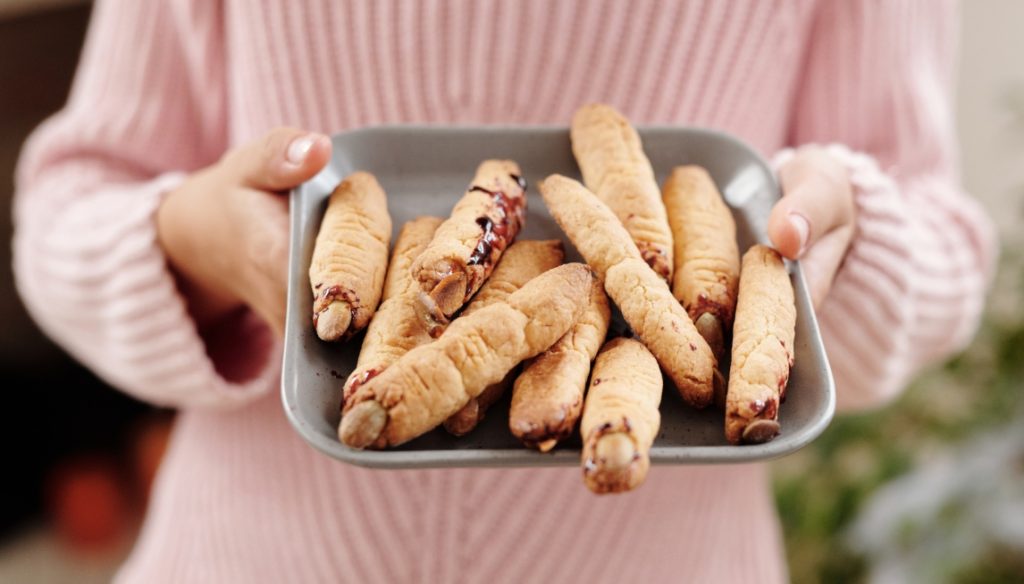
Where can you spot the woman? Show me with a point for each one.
(151, 243)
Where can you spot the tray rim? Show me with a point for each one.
(525, 457)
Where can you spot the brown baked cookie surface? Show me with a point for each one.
(621, 417)
(433, 381)
(707, 261)
(396, 328)
(762, 348)
(612, 160)
(548, 395)
(467, 246)
(643, 297)
(521, 262)
(350, 257)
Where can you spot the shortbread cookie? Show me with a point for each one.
(620, 418)
(762, 348)
(467, 246)
(707, 261)
(470, 415)
(433, 381)
(615, 168)
(548, 396)
(350, 257)
(396, 328)
(642, 296)
(521, 262)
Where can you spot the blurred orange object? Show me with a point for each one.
(88, 503)
(149, 446)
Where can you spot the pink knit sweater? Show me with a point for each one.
(165, 87)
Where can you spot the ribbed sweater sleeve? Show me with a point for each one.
(146, 106)
(878, 80)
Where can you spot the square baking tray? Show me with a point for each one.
(424, 170)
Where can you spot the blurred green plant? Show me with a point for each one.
(823, 490)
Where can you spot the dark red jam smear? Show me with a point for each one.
(363, 377)
(654, 257)
(704, 304)
(502, 229)
(767, 409)
(783, 385)
(327, 296)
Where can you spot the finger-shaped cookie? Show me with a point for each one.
(470, 415)
(466, 247)
(548, 395)
(614, 166)
(762, 348)
(350, 257)
(642, 296)
(433, 381)
(521, 262)
(620, 418)
(395, 328)
(707, 262)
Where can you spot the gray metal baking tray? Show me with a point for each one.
(424, 170)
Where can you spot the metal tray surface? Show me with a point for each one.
(424, 170)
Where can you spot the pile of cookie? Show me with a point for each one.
(466, 312)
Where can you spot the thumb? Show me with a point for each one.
(817, 199)
(280, 160)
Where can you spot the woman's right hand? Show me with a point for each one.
(225, 229)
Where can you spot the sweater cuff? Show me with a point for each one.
(867, 312)
(232, 362)
(97, 281)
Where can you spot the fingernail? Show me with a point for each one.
(803, 230)
(299, 148)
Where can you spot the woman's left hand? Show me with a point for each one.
(814, 220)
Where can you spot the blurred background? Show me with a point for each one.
(930, 489)
(78, 456)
